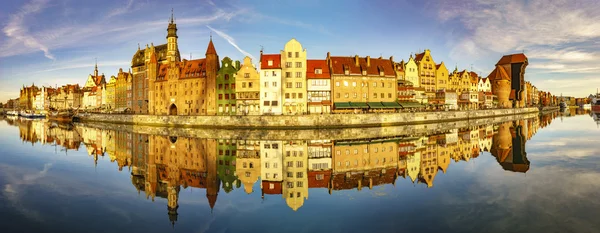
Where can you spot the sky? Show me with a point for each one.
(55, 42)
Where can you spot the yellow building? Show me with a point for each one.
(411, 72)
(363, 83)
(110, 93)
(293, 69)
(247, 89)
(427, 72)
(441, 77)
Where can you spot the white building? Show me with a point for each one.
(270, 81)
(92, 88)
(319, 155)
(318, 86)
(484, 85)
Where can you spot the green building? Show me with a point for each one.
(226, 150)
(226, 87)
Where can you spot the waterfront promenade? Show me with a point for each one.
(302, 121)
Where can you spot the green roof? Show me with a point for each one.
(411, 105)
(384, 105)
(350, 105)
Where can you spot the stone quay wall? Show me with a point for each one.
(352, 133)
(303, 121)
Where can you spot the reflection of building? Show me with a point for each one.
(509, 147)
(248, 163)
(226, 157)
(295, 179)
(162, 166)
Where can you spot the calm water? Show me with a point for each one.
(535, 175)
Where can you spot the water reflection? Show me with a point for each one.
(161, 166)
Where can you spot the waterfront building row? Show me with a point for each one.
(160, 82)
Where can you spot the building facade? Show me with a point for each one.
(427, 72)
(247, 89)
(362, 83)
(226, 104)
(318, 86)
(293, 61)
(270, 79)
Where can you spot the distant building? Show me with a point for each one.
(27, 97)
(427, 72)
(91, 89)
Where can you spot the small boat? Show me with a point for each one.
(12, 113)
(595, 102)
(31, 114)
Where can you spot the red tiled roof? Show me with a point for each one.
(192, 67)
(314, 183)
(311, 65)
(419, 56)
(264, 61)
(512, 58)
(276, 187)
(499, 74)
(339, 64)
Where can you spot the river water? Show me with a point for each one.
(539, 174)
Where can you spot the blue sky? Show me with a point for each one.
(54, 42)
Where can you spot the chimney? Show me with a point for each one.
(356, 60)
(392, 59)
(368, 61)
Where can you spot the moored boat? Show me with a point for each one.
(12, 113)
(61, 116)
(595, 102)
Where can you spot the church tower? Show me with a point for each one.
(212, 67)
(172, 49)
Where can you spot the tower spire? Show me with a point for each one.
(172, 16)
(96, 68)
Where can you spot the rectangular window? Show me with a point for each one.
(375, 95)
(288, 85)
(226, 86)
(298, 84)
(274, 74)
(318, 71)
(220, 86)
(288, 65)
(266, 103)
(287, 95)
(266, 84)
(299, 95)
(297, 54)
(288, 74)
(270, 62)
(267, 72)
(337, 84)
(274, 103)
(226, 96)
(249, 84)
(244, 85)
(298, 64)
(274, 84)
(298, 74)
(290, 175)
(289, 54)
(220, 96)
(299, 175)
(299, 164)
(246, 75)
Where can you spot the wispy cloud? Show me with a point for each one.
(120, 11)
(231, 41)
(498, 26)
(90, 33)
(70, 66)
(17, 29)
